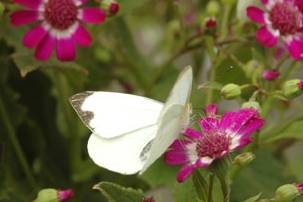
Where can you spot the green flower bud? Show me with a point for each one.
(213, 8)
(244, 159)
(252, 104)
(47, 195)
(291, 88)
(53, 195)
(286, 193)
(231, 91)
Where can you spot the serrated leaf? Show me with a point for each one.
(116, 193)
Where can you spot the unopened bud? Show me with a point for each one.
(54, 195)
(270, 75)
(292, 88)
(111, 6)
(242, 6)
(213, 8)
(252, 104)
(151, 199)
(244, 159)
(231, 91)
(210, 23)
(287, 193)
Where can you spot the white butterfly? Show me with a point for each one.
(131, 132)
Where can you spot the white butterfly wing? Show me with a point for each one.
(109, 114)
(174, 114)
(122, 154)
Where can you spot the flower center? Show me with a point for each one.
(286, 18)
(60, 14)
(214, 144)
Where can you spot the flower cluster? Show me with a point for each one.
(58, 25)
(219, 136)
(280, 19)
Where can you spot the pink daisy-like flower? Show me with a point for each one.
(58, 24)
(270, 75)
(219, 136)
(281, 19)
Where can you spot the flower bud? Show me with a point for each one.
(252, 104)
(292, 88)
(244, 159)
(111, 6)
(54, 195)
(151, 199)
(231, 91)
(287, 193)
(300, 84)
(270, 75)
(213, 8)
(210, 23)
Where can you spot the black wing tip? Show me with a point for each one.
(79, 97)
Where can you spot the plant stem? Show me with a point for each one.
(225, 187)
(14, 141)
(210, 187)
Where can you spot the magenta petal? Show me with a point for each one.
(295, 49)
(192, 134)
(208, 124)
(211, 110)
(93, 15)
(32, 37)
(234, 121)
(66, 49)
(185, 172)
(266, 38)
(23, 17)
(45, 47)
(255, 14)
(82, 37)
(251, 126)
(82, 1)
(265, 2)
(32, 4)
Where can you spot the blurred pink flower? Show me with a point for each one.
(210, 23)
(114, 8)
(65, 195)
(58, 25)
(281, 19)
(219, 136)
(270, 75)
(300, 84)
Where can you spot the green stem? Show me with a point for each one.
(14, 140)
(225, 187)
(210, 187)
(224, 24)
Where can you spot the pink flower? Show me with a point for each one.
(300, 84)
(281, 19)
(65, 195)
(58, 24)
(270, 75)
(219, 136)
(114, 8)
(210, 23)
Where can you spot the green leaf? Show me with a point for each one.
(254, 198)
(264, 174)
(117, 193)
(201, 185)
